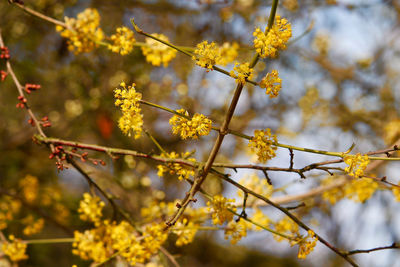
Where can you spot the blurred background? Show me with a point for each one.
(341, 84)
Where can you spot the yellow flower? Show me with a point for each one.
(176, 168)
(227, 53)
(357, 164)
(92, 244)
(286, 226)
(272, 83)
(30, 188)
(128, 100)
(15, 249)
(241, 72)
(90, 208)
(185, 231)
(122, 41)
(32, 226)
(208, 55)
(190, 128)
(157, 52)
(236, 230)
(262, 143)
(307, 245)
(82, 33)
(276, 38)
(220, 206)
(8, 207)
(361, 189)
(260, 218)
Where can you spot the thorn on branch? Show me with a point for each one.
(291, 158)
(383, 179)
(395, 147)
(302, 176)
(388, 154)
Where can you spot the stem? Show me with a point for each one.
(50, 241)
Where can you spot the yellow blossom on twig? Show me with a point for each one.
(208, 55)
(183, 172)
(128, 100)
(272, 83)
(197, 126)
(241, 72)
(267, 44)
(235, 231)
(262, 144)
(185, 231)
(219, 206)
(90, 208)
(83, 33)
(357, 164)
(32, 226)
(15, 249)
(30, 188)
(158, 53)
(122, 41)
(307, 244)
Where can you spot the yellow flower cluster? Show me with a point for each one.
(286, 226)
(157, 52)
(106, 239)
(190, 128)
(32, 226)
(82, 33)
(276, 38)
(122, 41)
(208, 55)
(227, 53)
(8, 208)
(128, 100)
(256, 184)
(90, 208)
(358, 190)
(186, 231)
(241, 72)
(176, 168)
(235, 230)
(357, 164)
(262, 143)
(272, 83)
(307, 245)
(260, 218)
(15, 249)
(361, 190)
(220, 206)
(30, 187)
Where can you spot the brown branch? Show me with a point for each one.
(39, 15)
(288, 213)
(392, 246)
